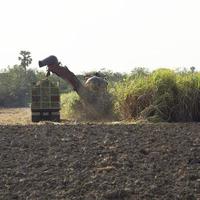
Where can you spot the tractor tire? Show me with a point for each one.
(36, 118)
(55, 116)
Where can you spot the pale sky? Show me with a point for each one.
(93, 34)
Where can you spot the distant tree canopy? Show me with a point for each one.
(14, 86)
(15, 82)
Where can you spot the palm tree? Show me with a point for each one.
(25, 58)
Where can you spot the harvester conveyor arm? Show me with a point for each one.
(67, 75)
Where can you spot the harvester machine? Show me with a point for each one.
(93, 92)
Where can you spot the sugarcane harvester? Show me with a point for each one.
(93, 93)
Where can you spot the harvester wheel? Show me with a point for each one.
(35, 117)
(55, 117)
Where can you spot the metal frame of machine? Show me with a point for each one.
(45, 104)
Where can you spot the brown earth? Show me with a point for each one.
(100, 161)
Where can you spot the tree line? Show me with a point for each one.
(16, 81)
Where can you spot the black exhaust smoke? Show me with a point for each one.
(51, 60)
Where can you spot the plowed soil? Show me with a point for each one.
(100, 161)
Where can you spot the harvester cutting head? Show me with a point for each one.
(96, 84)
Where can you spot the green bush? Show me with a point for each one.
(163, 95)
(131, 96)
(188, 98)
(69, 105)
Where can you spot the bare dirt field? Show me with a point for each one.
(98, 161)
